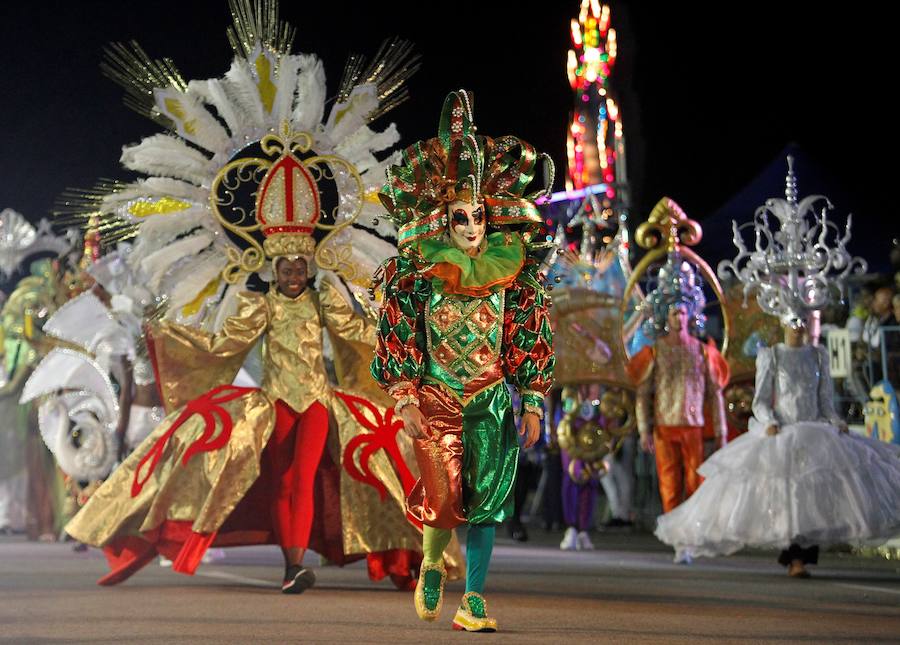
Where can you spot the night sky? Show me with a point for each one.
(709, 96)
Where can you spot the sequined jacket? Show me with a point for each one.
(463, 344)
(676, 382)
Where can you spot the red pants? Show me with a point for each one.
(293, 452)
(679, 450)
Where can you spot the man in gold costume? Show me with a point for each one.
(679, 382)
(238, 466)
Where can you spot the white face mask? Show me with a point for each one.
(467, 225)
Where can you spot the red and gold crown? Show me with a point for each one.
(288, 205)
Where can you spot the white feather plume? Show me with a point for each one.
(214, 92)
(192, 120)
(309, 106)
(286, 88)
(158, 264)
(242, 91)
(185, 282)
(168, 156)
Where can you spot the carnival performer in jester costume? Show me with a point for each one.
(463, 313)
(256, 178)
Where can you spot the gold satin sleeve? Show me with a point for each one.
(190, 361)
(353, 340)
(342, 320)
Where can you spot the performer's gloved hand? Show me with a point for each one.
(530, 428)
(415, 424)
(772, 430)
(647, 442)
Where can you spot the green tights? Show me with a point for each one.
(479, 546)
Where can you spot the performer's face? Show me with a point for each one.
(677, 318)
(467, 225)
(291, 276)
(794, 335)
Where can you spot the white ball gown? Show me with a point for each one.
(809, 484)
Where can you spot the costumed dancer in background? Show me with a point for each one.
(463, 312)
(17, 358)
(797, 479)
(679, 381)
(31, 488)
(119, 288)
(90, 414)
(276, 192)
(579, 486)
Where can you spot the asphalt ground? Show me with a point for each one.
(626, 591)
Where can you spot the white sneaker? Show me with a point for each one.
(583, 542)
(683, 556)
(570, 540)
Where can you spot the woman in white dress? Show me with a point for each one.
(797, 479)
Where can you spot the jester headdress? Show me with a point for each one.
(460, 164)
(676, 283)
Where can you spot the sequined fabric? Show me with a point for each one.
(206, 489)
(777, 399)
(675, 385)
(468, 464)
(454, 353)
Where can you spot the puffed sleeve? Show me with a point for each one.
(237, 335)
(341, 319)
(190, 361)
(826, 389)
(400, 334)
(764, 394)
(640, 369)
(528, 343)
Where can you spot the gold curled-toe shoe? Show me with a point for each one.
(472, 615)
(429, 596)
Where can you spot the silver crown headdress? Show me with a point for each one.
(791, 267)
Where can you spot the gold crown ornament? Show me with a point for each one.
(288, 206)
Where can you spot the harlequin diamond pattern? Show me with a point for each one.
(485, 317)
(464, 333)
(446, 317)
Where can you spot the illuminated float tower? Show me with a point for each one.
(595, 139)
(596, 143)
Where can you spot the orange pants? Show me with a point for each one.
(679, 451)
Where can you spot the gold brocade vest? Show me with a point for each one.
(293, 365)
(680, 384)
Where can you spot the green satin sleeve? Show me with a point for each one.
(528, 342)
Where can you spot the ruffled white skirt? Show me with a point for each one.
(809, 484)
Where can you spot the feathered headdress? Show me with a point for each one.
(459, 164)
(252, 166)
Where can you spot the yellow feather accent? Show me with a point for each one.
(209, 290)
(267, 89)
(145, 207)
